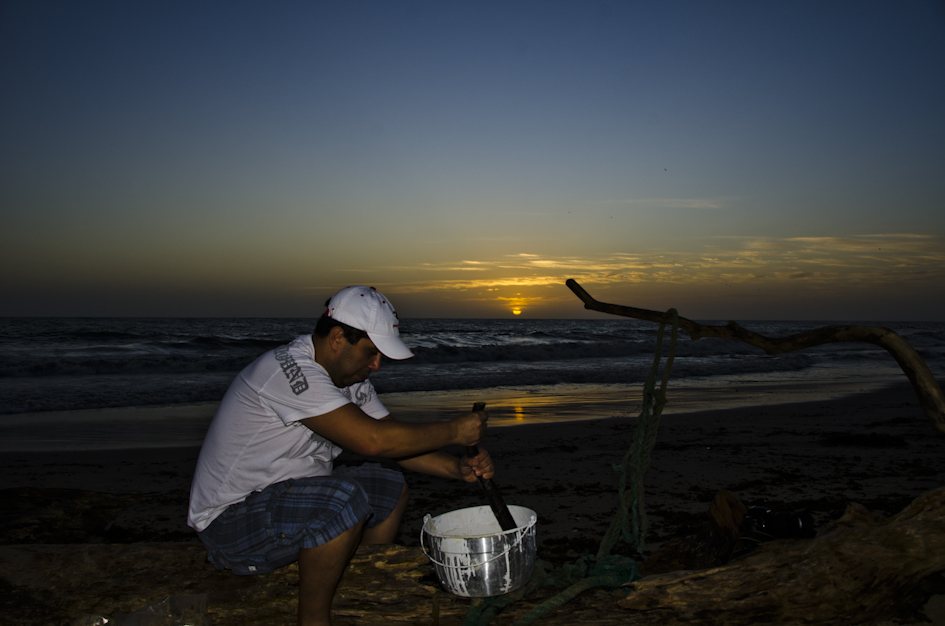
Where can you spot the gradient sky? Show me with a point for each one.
(735, 160)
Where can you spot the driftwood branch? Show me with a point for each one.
(923, 382)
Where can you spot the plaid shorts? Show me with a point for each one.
(266, 530)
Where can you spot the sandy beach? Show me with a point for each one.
(877, 449)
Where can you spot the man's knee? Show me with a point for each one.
(397, 510)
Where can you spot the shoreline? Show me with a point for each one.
(184, 425)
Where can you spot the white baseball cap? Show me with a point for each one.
(366, 308)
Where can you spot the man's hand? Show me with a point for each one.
(480, 465)
(470, 428)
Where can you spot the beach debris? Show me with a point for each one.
(183, 610)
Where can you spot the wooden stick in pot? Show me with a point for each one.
(492, 492)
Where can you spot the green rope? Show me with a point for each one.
(629, 523)
(586, 573)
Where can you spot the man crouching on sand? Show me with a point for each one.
(265, 493)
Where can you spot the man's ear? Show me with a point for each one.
(336, 338)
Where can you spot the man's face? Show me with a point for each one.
(356, 363)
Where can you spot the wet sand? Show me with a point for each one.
(876, 448)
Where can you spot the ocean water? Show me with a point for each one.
(64, 364)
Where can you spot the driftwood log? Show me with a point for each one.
(923, 382)
(860, 570)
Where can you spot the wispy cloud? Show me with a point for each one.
(841, 261)
(674, 203)
(889, 243)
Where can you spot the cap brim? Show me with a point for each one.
(391, 347)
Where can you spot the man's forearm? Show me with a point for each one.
(437, 463)
(351, 429)
(393, 439)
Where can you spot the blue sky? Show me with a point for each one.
(780, 160)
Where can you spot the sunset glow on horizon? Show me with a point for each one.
(731, 160)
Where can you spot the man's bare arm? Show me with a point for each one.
(350, 428)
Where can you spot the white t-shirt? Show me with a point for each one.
(255, 439)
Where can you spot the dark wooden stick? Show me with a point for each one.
(492, 492)
(923, 382)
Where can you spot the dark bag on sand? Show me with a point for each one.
(762, 524)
